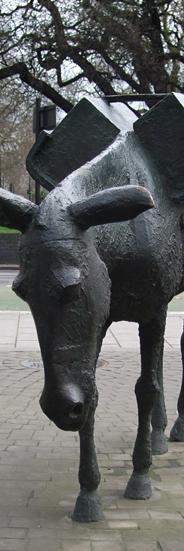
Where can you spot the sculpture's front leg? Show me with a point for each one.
(88, 506)
(177, 432)
(139, 486)
(159, 416)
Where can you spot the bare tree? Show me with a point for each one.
(61, 47)
(16, 138)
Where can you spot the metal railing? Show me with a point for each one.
(134, 97)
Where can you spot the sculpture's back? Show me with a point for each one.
(144, 257)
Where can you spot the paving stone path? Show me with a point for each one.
(39, 463)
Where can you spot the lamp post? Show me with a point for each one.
(37, 132)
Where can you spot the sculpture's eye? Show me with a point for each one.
(70, 293)
(20, 287)
(67, 283)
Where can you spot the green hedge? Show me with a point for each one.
(7, 230)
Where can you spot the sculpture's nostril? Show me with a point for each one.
(76, 411)
(66, 404)
(72, 400)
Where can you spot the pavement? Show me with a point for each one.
(39, 463)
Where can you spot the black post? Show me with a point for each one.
(37, 186)
(29, 191)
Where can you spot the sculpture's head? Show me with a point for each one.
(67, 288)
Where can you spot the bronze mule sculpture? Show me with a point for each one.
(67, 286)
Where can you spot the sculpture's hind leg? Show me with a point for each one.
(139, 486)
(88, 506)
(159, 418)
(177, 432)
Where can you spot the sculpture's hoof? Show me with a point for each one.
(88, 507)
(158, 442)
(138, 487)
(177, 432)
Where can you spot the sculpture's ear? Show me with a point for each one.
(15, 212)
(111, 205)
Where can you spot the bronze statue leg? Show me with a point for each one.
(146, 389)
(88, 506)
(159, 417)
(177, 432)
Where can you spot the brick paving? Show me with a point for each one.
(39, 463)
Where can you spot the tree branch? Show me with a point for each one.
(63, 83)
(36, 84)
(119, 71)
(90, 72)
(174, 56)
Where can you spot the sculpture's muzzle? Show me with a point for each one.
(65, 407)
